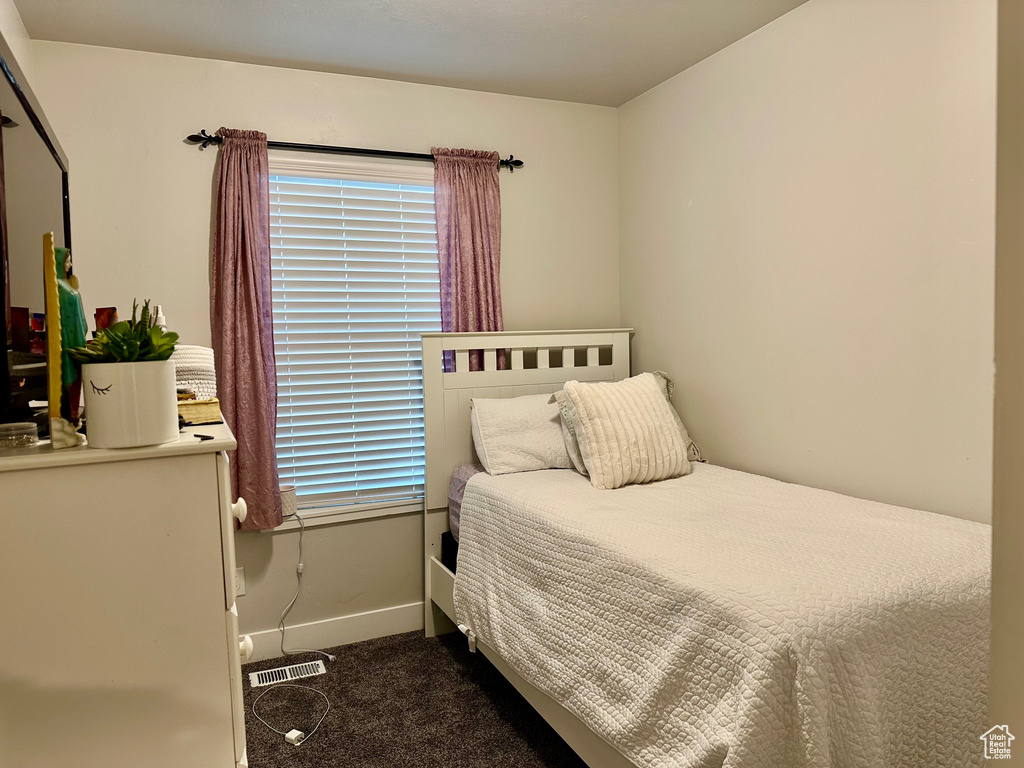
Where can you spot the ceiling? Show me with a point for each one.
(591, 51)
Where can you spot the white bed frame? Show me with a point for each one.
(555, 357)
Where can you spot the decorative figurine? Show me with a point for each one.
(73, 333)
(62, 432)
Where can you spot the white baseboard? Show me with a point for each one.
(339, 630)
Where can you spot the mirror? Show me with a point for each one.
(33, 201)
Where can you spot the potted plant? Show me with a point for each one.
(128, 379)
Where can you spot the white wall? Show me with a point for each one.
(141, 198)
(141, 212)
(807, 247)
(15, 37)
(352, 569)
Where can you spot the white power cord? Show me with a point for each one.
(298, 586)
(293, 736)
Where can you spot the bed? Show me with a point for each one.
(718, 619)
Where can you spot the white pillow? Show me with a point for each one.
(568, 420)
(518, 434)
(628, 432)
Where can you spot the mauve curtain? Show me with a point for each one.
(241, 319)
(468, 209)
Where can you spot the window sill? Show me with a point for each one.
(318, 516)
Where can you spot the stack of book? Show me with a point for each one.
(196, 412)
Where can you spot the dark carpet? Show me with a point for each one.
(403, 701)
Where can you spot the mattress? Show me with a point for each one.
(726, 619)
(456, 492)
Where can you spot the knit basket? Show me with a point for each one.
(194, 369)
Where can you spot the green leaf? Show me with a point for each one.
(128, 341)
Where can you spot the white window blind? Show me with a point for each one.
(355, 281)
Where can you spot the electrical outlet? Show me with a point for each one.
(239, 582)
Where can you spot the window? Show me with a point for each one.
(355, 281)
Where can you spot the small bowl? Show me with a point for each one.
(20, 434)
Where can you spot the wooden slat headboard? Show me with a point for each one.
(538, 362)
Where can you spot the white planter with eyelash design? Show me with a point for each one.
(128, 405)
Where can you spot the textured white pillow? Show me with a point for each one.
(567, 418)
(518, 434)
(627, 430)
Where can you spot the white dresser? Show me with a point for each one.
(119, 641)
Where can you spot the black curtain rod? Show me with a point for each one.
(204, 140)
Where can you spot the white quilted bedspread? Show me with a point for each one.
(726, 619)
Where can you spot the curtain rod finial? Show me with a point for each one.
(203, 139)
(511, 163)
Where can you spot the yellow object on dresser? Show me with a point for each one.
(200, 411)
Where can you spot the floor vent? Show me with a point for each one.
(284, 674)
